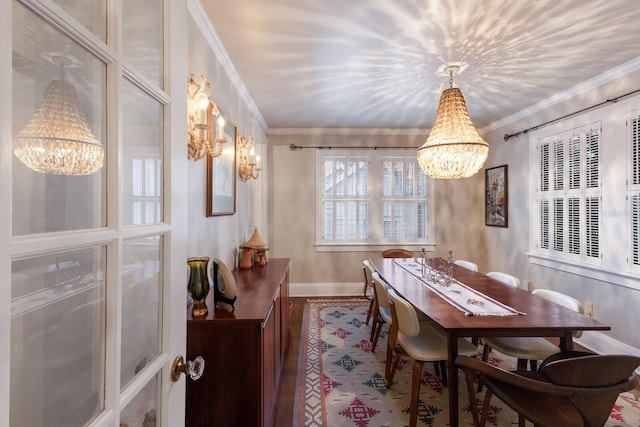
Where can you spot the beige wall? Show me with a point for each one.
(221, 236)
(459, 208)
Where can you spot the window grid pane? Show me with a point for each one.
(635, 150)
(574, 225)
(592, 160)
(635, 229)
(574, 162)
(558, 224)
(544, 167)
(592, 214)
(558, 161)
(544, 224)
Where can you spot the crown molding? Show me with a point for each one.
(348, 131)
(580, 88)
(199, 15)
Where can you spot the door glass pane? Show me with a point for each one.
(58, 127)
(142, 410)
(90, 13)
(58, 338)
(141, 305)
(142, 37)
(142, 162)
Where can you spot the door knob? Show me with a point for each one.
(193, 369)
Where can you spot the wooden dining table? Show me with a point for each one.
(539, 318)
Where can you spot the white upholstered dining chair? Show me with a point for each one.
(382, 312)
(532, 348)
(367, 291)
(467, 264)
(422, 342)
(505, 278)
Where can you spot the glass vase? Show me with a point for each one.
(198, 286)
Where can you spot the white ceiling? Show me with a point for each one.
(373, 63)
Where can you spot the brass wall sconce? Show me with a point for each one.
(248, 167)
(201, 138)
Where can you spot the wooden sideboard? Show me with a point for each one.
(243, 350)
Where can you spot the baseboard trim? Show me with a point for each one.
(325, 289)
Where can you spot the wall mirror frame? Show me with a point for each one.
(221, 172)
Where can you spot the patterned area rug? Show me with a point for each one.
(341, 382)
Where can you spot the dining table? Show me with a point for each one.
(526, 315)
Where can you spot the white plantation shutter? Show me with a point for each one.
(573, 216)
(569, 210)
(558, 163)
(558, 225)
(635, 226)
(346, 210)
(544, 224)
(634, 189)
(404, 200)
(592, 210)
(592, 160)
(355, 187)
(574, 161)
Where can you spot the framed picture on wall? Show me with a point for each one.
(221, 172)
(496, 190)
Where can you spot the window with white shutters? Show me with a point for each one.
(374, 198)
(568, 211)
(633, 195)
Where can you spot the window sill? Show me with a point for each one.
(597, 272)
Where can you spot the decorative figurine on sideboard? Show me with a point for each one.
(254, 250)
(224, 284)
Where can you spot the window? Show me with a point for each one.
(633, 195)
(567, 214)
(373, 198)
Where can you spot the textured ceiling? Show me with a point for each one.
(373, 63)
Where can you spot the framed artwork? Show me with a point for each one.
(496, 188)
(221, 172)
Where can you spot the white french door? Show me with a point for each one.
(93, 225)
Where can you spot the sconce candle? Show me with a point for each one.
(220, 128)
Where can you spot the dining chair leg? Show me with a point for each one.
(369, 312)
(388, 363)
(415, 392)
(394, 367)
(380, 322)
(485, 357)
(443, 369)
(375, 317)
(485, 408)
(473, 402)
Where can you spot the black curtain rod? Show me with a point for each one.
(507, 137)
(294, 147)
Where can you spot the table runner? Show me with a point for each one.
(459, 295)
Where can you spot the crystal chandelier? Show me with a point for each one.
(454, 148)
(57, 139)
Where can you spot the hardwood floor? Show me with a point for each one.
(283, 413)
